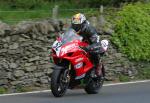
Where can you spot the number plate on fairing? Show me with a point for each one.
(57, 47)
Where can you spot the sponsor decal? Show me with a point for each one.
(67, 48)
(79, 65)
(79, 59)
(79, 77)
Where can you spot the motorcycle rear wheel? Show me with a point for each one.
(94, 86)
(59, 82)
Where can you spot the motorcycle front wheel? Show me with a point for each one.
(59, 82)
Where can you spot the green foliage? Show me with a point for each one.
(132, 32)
(144, 73)
(43, 8)
(16, 16)
(20, 88)
(24, 4)
(38, 4)
(2, 90)
(124, 78)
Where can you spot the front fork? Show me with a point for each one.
(67, 74)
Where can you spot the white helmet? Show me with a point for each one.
(77, 21)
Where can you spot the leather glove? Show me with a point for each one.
(91, 48)
(85, 49)
(104, 45)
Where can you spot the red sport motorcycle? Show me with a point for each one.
(73, 66)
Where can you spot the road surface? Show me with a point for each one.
(126, 93)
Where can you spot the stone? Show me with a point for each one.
(9, 75)
(48, 71)
(25, 36)
(34, 79)
(19, 73)
(28, 55)
(28, 81)
(102, 21)
(93, 21)
(26, 43)
(29, 75)
(110, 61)
(43, 62)
(3, 50)
(5, 46)
(12, 52)
(130, 73)
(13, 65)
(41, 39)
(47, 58)
(44, 66)
(44, 80)
(5, 65)
(2, 33)
(14, 83)
(118, 65)
(28, 64)
(45, 27)
(3, 74)
(4, 29)
(14, 38)
(7, 39)
(118, 55)
(40, 48)
(34, 59)
(22, 39)
(38, 74)
(109, 31)
(23, 27)
(30, 68)
(49, 65)
(3, 82)
(14, 46)
(118, 70)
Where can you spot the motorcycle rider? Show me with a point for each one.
(90, 35)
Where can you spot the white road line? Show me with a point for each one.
(44, 91)
(133, 82)
(34, 92)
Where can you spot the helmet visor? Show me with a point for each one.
(76, 27)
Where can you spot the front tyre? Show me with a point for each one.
(59, 82)
(94, 86)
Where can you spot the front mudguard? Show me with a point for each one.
(56, 67)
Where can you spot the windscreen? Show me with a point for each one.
(69, 36)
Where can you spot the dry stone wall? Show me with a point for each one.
(24, 56)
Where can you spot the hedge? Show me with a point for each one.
(132, 31)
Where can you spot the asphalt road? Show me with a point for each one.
(127, 93)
